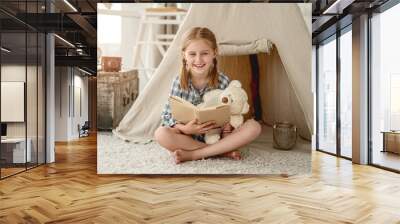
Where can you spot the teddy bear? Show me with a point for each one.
(234, 96)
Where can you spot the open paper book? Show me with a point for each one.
(183, 111)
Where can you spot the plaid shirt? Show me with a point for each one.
(192, 95)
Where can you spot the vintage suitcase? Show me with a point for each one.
(111, 64)
(116, 92)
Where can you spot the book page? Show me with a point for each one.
(181, 110)
(220, 115)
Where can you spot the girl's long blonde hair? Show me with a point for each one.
(199, 33)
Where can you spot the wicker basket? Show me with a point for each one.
(284, 135)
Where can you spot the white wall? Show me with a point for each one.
(61, 103)
(67, 81)
(82, 82)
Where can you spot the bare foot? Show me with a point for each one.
(235, 155)
(182, 156)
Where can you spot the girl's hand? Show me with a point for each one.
(227, 128)
(192, 128)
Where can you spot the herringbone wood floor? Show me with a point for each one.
(70, 191)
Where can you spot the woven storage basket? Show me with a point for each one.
(284, 135)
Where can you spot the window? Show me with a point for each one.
(333, 137)
(394, 118)
(327, 96)
(385, 84)
(109, 29)
(346, 93)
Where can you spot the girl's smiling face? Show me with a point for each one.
(199, 57)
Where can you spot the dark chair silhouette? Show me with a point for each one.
(84, 130)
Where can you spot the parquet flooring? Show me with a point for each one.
(10, 171)
(70, 191)
(387, 159)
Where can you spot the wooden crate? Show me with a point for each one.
(116, 92)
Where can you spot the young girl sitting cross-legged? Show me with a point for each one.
(200, 74)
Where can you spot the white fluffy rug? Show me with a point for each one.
(115, 156)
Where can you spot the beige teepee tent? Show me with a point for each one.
(276, 33)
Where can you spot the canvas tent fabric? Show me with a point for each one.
(240, 29)
(278, 101)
